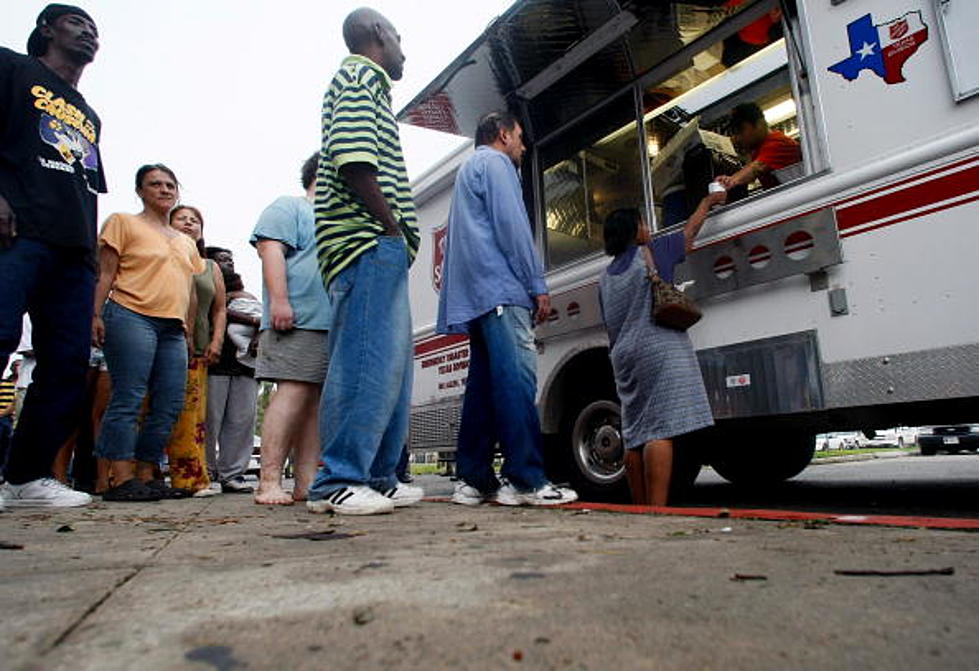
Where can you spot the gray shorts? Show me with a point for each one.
(298, 355)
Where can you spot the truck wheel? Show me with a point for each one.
(596, 459)
(766, 463)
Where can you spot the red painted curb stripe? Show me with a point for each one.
(951, 523)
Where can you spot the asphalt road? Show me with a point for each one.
(940, 486)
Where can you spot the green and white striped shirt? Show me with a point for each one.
(359, 126)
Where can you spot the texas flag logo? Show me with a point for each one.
(882, 48)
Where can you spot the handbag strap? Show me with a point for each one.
(647, 256)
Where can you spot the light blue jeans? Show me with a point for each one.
(367, 394)
(145, 356)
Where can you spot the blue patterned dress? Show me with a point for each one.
(656, 372)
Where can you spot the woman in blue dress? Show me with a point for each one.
(657, 377)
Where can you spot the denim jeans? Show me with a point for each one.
(55, 286)
(147, 356)
(367, 393)
(500, 403)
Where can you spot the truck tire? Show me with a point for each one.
(593, 451)
(766, 463)
(593, 454)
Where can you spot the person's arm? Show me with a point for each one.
(108, 268)
(352, 144)
(237, 317)
(8, 224)
(512, 232)
(696, 221)
(190, 320)
(273, 255)
(219, 321)
(362, 179)
(744, 176)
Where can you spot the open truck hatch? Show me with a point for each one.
(523, 59)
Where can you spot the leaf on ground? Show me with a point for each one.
(5, 545)
(327, 535)
(745, 577)
(948, 570)
(363, 616)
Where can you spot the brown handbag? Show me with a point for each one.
(671, 307)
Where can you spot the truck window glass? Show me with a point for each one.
(691, 139)
(589, 171)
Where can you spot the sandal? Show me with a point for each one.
(165, 492)
(131, 490)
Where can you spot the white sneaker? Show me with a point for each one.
(546, 495)
(44, 492)
(357, 500)
(467, 495)
(404, 495)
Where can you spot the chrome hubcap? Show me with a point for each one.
(597, 443)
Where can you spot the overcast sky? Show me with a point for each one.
(228, 93)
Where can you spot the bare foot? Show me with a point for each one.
(273, 496)
(299, 496)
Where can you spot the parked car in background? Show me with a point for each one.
(839, 440)
(950, 438)
(901, 437)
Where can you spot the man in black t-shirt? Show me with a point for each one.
(50, 177)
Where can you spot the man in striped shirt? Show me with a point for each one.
(366, 238)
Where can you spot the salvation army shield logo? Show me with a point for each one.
(882, 48)
(438, 255)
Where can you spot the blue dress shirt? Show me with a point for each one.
(490, 259)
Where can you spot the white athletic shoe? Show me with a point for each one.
(404, 495)
(467, 495)
(546, 495)
(43, 493)
(357, 500)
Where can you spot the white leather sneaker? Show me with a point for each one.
(356, 500)
(43, 493)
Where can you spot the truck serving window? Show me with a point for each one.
(714, 98)
(724, 114)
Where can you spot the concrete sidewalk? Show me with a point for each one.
(223, 584)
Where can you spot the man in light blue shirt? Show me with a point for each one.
(492, 283)
(292, 346)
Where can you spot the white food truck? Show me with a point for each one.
(844, 297)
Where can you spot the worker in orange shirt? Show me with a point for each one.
(770, 150)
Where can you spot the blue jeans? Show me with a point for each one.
(55, 286)
(146, 356)
(367, 393)
(500, 403)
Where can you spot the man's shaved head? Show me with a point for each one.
(369, 33)
(358, 27)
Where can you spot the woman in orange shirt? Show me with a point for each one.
(141, 322)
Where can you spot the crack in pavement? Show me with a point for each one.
(91, 610)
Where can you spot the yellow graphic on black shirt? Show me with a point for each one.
(64, 112)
